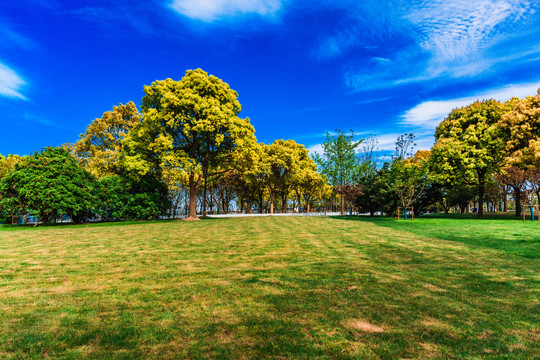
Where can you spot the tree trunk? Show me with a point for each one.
(271, 202)
(248, 207)
(284, 203)
(505, 200)
(193, 187)
(342, 204)
(204, 213)
(481, 193)
(517, 196)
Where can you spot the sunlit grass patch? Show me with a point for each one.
(269, 288)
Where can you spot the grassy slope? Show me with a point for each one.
(271, 287)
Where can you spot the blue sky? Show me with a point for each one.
(300, 67)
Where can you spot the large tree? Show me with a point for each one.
(99, 148)
(339, 162)
(192, 125)
(470, 147)
(48, 184)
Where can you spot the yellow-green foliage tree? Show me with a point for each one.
(7, 164)
(521, 126)
(191, 125)
(247, 177)
(282, 161)
(308, 184)
(470, 147)
(99, 148)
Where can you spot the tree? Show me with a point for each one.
(408, 177)
(404, 146)
(307, 182)
(281, 163)
(99, 148)
(124, 198)
(48, 184)
(338, 161)
(516, 178)
(192, 125)
(470, 147)
(7, 164)
(247, 176)
(521, 126)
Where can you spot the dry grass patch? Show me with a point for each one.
(364, 326)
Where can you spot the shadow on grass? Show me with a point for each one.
(510, 235)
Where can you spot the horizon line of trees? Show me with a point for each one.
(189, 151)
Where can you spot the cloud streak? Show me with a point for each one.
(10, 83)
(213, 10)
(428, 114)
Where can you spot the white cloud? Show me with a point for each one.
(10, 83)
(317, 148)
(211, 10)
(428, 114)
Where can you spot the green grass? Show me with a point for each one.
(294, 288)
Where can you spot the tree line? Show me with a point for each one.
(188, 151)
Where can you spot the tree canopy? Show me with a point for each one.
(99, 148)
(469, 146)
(48, 184)
(192, 125)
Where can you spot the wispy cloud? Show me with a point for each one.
(212, 10)
(30, 118)
(10, 83)
(428, 114)
(450, 39)
(113, 18)
(338, 106)
(14, 39)
(458, 32)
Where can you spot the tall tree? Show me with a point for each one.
(99, 148)
(338, 162)
(192, 125)
(470, 147)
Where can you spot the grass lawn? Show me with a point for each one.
(275, 287)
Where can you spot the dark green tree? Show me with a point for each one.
(48, 184)
(125, 198)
